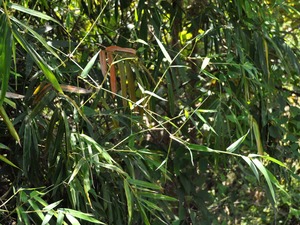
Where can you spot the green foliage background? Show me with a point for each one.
(203, 128)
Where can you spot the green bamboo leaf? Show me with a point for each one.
(155, 95)
(157, 196)
(52, 205)
(76, 169)
(144, 215)
(2, 146)
(200, 148)
(47, 218)
(60, 217)
(5, 54)
(4, 159)
(87, 182)
(9, 124)
(36, 208)
(101, 150)
(237, 143)
(252, 166)
(37, 59)
(72, 219)
(263, 170)
(22, 215)
(84, 216)
(32, 12)
(39, 38)
(268, 158)
(144, 184)
(89, 65)
(163, 49)
(151, 205)
(129, 200)
(256, 131)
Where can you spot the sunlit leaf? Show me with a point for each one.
(237, 143)
(52, 206)
(32, 12)
(263, 170)
(84, 216)
(252, 166)
(88, 66)
(205, 63)
(47, 218)
(37, 59)
(76, 169)
(163, 49)
(72, 219)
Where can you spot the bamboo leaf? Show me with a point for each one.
(155, 95)
(52, 205)
(72, 219)
(39, 38)
(252, 166)
(4, 159)
(37, 59)
(84, 216)
(144, 184)
(256, 131)
(88, 66)
(163, 49)
(157, 196)
(76, 169)
(2, 146)
(9, 125)
(130, 80)
(205, 63)
(60, 217)
(32, 12)
(263, 170)
(47, 218)
(5, 54)
(129, 200)
(237, 143)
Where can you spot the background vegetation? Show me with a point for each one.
(149, 112)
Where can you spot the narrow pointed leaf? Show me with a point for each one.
(237, 143)
(205, 63)
(9, 124)
(32, 12)
(76, 169)
(163, 49)
(4, 159)
(129, 200)
(5, 55)
(88, 67)
(84, 216)
(52, 206)
(263, 170)
(37, 59)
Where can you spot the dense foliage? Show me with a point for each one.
(149, 112)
